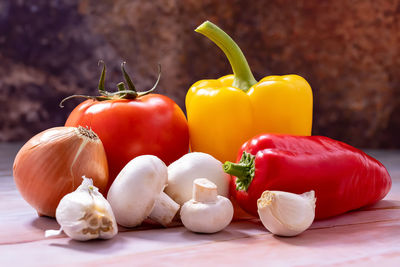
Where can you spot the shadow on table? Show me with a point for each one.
(235, 230)
(350, 228)
(45, 223)
(348, 236)
(96, 246)
(168, 235)
(378, 221)
(383, 204)
(224, 235)
(181, 234)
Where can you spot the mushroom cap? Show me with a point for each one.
(133, 193)
(206, 217)
(182, 173)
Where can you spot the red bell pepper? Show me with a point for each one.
(344, 178)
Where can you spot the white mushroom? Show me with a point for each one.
(207, 212)
(191, 166)
(137, 193)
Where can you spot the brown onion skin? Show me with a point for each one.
(45, 171)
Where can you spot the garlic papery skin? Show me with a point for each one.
(85, 214)
(286, 214)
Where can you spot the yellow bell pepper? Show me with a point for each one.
(224, 113)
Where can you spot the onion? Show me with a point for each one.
(51, 164)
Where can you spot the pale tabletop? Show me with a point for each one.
(366, 237)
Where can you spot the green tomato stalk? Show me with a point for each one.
(122, 92)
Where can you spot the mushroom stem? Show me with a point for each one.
(164, 209)
(204, 191)
(206, 212)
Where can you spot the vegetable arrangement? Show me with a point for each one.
(134, 146)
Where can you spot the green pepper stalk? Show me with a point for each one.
(244, 170)
(244, 78)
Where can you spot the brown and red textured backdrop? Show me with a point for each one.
(349, 51)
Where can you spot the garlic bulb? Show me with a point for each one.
(51, 164)
(85, 214)
(286, 214)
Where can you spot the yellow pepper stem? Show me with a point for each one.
(244, 78)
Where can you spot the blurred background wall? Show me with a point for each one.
(349, 51)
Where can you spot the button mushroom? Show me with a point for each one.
(207, 212)
(191, 166)
(137, 193)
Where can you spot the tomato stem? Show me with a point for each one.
(121, 86)
(98, 98)
(122, 92)
(128, 80)
(154, 86)
(101, 86)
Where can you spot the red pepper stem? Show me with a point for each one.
(236, 169)
(244, 171)
(244, 78)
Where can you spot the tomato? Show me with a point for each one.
(150, 124)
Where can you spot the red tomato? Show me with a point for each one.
(152, 124)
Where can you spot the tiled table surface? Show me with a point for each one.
(366, 237)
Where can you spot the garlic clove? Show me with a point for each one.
(85, 214)
(108, 226)
(73, 207)
(286, 214)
